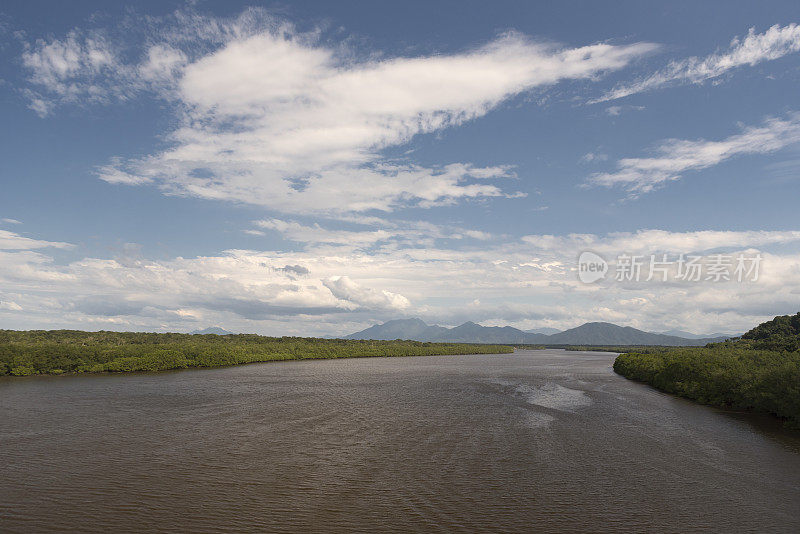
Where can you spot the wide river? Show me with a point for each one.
(537, 441)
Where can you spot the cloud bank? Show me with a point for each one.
(336, 288)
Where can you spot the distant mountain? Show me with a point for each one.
(545, 330)
(469, 332)
(611, 334)
(400, 329)
(212, 330)
(689, 335)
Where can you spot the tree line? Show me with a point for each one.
(759, 372)
(71, 351)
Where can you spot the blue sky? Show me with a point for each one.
(313, 167)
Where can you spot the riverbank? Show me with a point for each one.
(37, 352)
(724, 375)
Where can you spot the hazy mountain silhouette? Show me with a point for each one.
(587, 334)
(544, 330)
(212, 330)
(689, 335)
(470, 332)
(611, 334)
(414, 329)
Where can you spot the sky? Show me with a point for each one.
(312, 168)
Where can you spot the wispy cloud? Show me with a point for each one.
(754, 48)
(390, 234)
(592, 157)
(674, 157)
(316, 234)
(616, 111)
(68, 68)
(660, 241)
(12, 241)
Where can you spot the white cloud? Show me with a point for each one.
(311, 124)
(591, 157)
(11, 221)
(274, 117)
(328, 289)
(477, 234)
(659, 241)
(755, 48)
(72, 69)
(616, 111)
(674, 157)
(345, 289)
(10, 305)
(12, 241)
(162, 64)
(382, 232)
(316, 234)
(269, 116)
(248, 285)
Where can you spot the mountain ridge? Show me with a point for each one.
(690, 335)
(212, 330)
(593, 333)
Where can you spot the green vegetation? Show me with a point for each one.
(782, 333)
(759, 372)
(612, 348)
(71, 351)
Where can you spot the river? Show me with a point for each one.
(543, 441)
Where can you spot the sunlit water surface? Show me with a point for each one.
(544, 441)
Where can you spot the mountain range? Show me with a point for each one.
(212, 330)
(586, 334)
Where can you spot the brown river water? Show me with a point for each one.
(537, 441)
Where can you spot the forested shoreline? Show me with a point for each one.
(34, 352)
(759, 372)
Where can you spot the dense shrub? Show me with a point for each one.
(58, 351)
(781, 333)
(723, 375)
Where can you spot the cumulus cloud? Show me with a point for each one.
(310, 125)
(327, 289)
(250, 285)
(298, 270)
(275, 117)
(754, 48)
(674, 157)
(345, 289)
